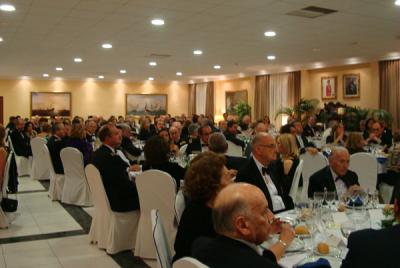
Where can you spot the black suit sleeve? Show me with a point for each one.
(130, 148)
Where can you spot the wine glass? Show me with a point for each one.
(331, 198)
(374, 198)
(318, 200)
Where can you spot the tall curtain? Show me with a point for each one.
(294, 88)
(389, 89)
(278, 95)
(201, 97)
(261, 97)
(210, 99)
(192, 99)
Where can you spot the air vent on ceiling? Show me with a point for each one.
(311, 12)
(158, 56)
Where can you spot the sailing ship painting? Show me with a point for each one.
(146, 104)
(50, 104)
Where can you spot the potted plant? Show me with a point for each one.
(301, 110)
(241, 109)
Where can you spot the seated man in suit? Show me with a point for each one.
(121, 191)
(259, 171)
(20, 141)
(302, 142)
(56, 143)
(243, 221)
(199, 144)
(375, 248)
(336, 176)
(309, 128)
(231, 132)
(91, 127)
(217, 144)
(127, 146)
(379, 136)
(175, 136)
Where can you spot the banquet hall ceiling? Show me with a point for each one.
(44, 34)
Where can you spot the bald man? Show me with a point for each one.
(243, 220)
(336, 176)
(260, 171)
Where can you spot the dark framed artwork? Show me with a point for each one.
(328, 88)
(232, 98)
(51, 104)
(146, 104)
(351, 86)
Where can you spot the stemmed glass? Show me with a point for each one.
(374, 198)
(331, 198)
(318, 201)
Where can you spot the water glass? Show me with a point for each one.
(331, 198)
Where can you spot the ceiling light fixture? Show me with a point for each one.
(45, 75)
(197, 52)
(151, 78)
(24, 77)
(78, 60)
(153, 63)
(101, 76)
(122, 71)
(106, 46)
(7, 7)
(157, 22)
(270, 34)
(59, 69)
(1, 39)
(217, 67)
(271, 57)
(179, 73)
(397, 3)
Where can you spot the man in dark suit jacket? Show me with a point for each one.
(301, 140)
(91, 128)
(336, 176)
(20, 141)
(56, 143)
(308, 129)
(199, 144)
(240, 233)
(126, 144)
(120, 190)
(375, 248)
(259, 171)
(231, 132)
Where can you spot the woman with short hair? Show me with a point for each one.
(77, 139)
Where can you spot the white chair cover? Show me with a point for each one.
(157, 190)
(56, 180)
(164, 257)
(179, 205)
(4, 222)
(234, 150)
(40, 169)
(24, 164)
(182, 150)
(311, 164)
(366, 167)
(188, 262)
(296, 180)
(76, 189)
(112, 231)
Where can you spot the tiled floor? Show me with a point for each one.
(50, 234)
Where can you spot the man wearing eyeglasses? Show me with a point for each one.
(260, 171)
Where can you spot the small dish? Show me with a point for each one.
(333, 252)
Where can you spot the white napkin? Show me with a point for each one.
(290, 261)
(339, 218)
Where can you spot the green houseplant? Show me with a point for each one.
(241, 109)
(301, 110)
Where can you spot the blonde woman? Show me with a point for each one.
(289, 159)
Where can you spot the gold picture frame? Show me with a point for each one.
(329, 88)
(351, 86)
(146, 104)
(51, 104)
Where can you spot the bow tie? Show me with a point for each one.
(265, 171)
(338, 178)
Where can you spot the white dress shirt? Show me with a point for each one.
(341, 187)
(300, 140)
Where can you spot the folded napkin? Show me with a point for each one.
(357, 203)
(320, 263)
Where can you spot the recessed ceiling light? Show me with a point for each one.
(1, 39)
(151, 78)
(122, 71)
(217, 67)
(316, 50)
(271, 57)
(157, 22)
(78, 60)
(24, 77)
(59, 69)
(270, 34)
(45, 75)
(153, 63)
(197, 52)
(179, 73)
(106, 46)
(397, 3)
(7, 7)
(101, 76)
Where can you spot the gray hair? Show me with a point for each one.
(123, 126)
(193, 128)
(337, 149)
(217, 143)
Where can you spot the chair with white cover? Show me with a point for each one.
(157, 190)
(4, 222)
(40, 169)
(296, 179)
(179, 205)
(234, 150)
(76, 189)
(24, 165)
(311, 164)
(188, 262)
(56, 180)
(366, 167)
(163, 253)
(112, 231)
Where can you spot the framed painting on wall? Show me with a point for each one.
(232, 98)
(328, 88)
(50, 103)
(351, 85)
(146, 104)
